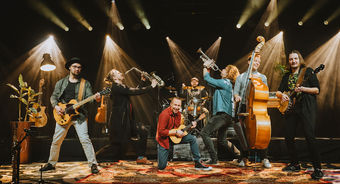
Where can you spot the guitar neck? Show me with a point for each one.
(77, 105)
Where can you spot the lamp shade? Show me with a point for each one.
(47, 64)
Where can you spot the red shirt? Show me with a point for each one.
(167, 120)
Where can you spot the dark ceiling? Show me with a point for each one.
(189, 23)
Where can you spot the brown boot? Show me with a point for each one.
(143, 161)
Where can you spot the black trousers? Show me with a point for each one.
(117, 150)
(292, 121)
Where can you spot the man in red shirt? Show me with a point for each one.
(170, 119)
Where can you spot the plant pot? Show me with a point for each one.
(18, 133)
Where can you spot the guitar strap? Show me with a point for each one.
(81, 89)
(301, 75)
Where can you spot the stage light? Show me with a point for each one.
(47, 64)
(66, 29)
(238, 26)
(167, 38)
(325, 22)
(266, 24)
(139, 11)
(316, 6)
(47, 13)
(251, 7)
(75, 13)
(300, 23)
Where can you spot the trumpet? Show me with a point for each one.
(152, 75)
(207, 62)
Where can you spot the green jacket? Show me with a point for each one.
(59, 90)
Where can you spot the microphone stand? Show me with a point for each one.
(16, 157)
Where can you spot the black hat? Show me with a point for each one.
(71, 61)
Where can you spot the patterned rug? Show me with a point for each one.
(176, 172)
(184, 172)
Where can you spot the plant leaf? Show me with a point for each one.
(21, 81)
(13, 87)
(13, 96)
(24, 101)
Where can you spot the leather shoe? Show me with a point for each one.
(292, 168)
(94, 169)
(47, 167)
(317, 174)
(143, 161)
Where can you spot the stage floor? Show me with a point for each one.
(176, 172)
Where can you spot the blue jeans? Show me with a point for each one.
(163, 153)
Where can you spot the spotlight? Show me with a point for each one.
(47, 64)
(167, 38)
(90, 28)
(238, 26)
(325, 22)
(51, 37)
(300, 23)
(266, 24)
(66, 29)
(148, 27)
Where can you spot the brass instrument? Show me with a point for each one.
(207, 62)
(152, 75)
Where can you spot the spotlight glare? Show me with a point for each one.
(300, 23)
(90, 28)
(51, 37)
(167, 38)
(238, 26)
(48, 67)
(266, 24)
(67, 29)
(325, 22)
(148, 27)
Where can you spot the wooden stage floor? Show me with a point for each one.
(176, 172)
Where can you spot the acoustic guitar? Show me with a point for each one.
(71, 108)
(184, 129)
(39, 118)
(287, 106)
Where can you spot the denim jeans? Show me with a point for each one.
(59, 136)
(220, 122)
(162, 153)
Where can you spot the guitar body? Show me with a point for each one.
(39, 118)
(101, 113)
(176, 139)
(69, 112)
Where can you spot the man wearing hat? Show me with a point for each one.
(65, 90)
(199, 93)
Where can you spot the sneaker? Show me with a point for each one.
(94, 169)
(243, 163)
(47, 167)
(266, 163)
(143, 161)
(200, 166)
(317, 174)
(292, 168)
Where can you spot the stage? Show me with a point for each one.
(176, 172)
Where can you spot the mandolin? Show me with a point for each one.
(101, 112)
(71, 108)
(39, 118)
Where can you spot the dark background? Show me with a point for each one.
(189, 23)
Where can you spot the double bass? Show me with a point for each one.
(257, 121)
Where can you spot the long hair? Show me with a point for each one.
(109, 78)
(302, 61)
(232, 73)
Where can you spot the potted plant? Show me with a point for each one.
(26, 96)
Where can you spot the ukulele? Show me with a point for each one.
(71, 108)
(39, 118)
